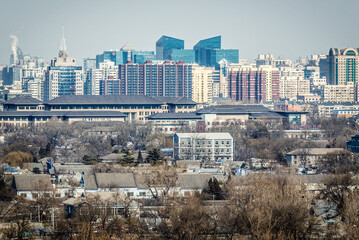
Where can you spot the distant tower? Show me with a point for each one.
(63, 49)
(63, 77)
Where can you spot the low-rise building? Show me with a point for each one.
(309, 157)
(203, 146)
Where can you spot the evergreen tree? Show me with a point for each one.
(5, 190)
(139, 157)
(128, 157)
(155, 157)
(214, 190)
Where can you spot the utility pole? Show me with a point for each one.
(52, 217)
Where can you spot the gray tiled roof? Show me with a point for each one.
(70, 169)
(233, 109)
(23, 100)
(26, 182)
(62, 113)
(175, 100)
(104, 100)
(194, 181)
(175, 116)
(90, 182)
(265, 115)
(115, 180)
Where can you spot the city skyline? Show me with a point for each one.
(286, 29)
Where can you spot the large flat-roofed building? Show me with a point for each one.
(25, 118)
(131, 107)
(203, 146)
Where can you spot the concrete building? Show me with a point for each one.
(326, 109)
(292, 83)
(268, 59)
(219, 84)
(340, 93)
(165, 79)
(309, 157)
(248, 84)
(203, 146)
(202, 83)
(93, 77)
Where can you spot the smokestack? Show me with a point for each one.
(14, 46)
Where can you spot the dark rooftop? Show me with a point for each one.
(62, 114)
(23, 100)
(174, 116)
(104, 100)
(175, 100)
(230, 109)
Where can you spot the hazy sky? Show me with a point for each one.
(285, 28)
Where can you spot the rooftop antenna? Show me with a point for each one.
(63, 48)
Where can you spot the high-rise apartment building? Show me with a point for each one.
(165, 45)
(343, 66)
(93, 77)
(219, 84)
(170, 79)
(63, 77)
(292, 83)
(202, 84)
(110, 86)
(249, 84)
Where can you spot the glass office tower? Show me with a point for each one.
(202, 47)
(165, 45)
(186, 55)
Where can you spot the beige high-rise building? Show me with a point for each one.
(219, 85)
(340, 93)
(292, 83)
(343, 65)
(202, 84)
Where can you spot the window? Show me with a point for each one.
(130, 194)
(142, 194)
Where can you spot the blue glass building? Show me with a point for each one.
(186, 55)
(118, 57)
(202, 47)
(141, 57)
(216, 55)
(165, 45)
(208, 52)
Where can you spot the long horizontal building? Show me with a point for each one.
(224, 115)
(25, 110)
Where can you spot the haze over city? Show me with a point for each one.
(178, 120)
(285, 28)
